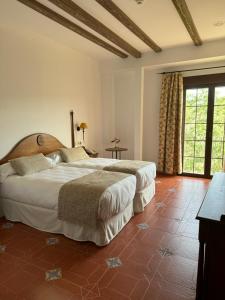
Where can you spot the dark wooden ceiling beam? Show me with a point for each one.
(114, 10)
(186, 17)
(35, 5)
(77, 12)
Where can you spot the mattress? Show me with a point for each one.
(144, 176)
(41, 190)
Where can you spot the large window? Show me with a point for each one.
(204, 125)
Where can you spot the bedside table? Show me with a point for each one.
(90, 152)
(93, 155)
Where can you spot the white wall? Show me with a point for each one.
(40, 82)
(144, 86)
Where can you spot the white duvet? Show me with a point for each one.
(144, 176)
(41, 189)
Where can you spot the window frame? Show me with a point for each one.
(203, 81)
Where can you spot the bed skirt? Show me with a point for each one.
(47, 220)
(143, 197)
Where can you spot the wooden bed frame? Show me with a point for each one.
(33, 144)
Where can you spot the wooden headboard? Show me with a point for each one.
(33, 144)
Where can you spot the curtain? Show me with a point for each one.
(170, 126)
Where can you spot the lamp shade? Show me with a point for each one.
(83, 125)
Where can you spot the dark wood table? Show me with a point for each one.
(116, 150)
(211, 263)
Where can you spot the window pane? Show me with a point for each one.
(191, 97)
(216, 165)
(217, 149)
(218, 132)
(201, 114)
(220, 95)
(202, 96)
(189, 133)
(188, 148)
(219, 114)
(188, 165)
(199, 166)
(199, 149)
(200, 131)
(190, 114)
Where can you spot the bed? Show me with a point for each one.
(33, 199)
(145, 188)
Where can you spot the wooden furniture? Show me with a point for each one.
(116, 150)
(91, 153)
(33, 144)
(211, 263)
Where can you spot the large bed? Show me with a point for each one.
(145, 186)
(33, 199)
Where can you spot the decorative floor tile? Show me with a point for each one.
(160, 204)
(165, 252)
(143, 226)
(7, 225)
(2, 248)
(155, 262)
(113, 262)
(53, 274)
(52, 241)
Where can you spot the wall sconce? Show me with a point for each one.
(82, 126)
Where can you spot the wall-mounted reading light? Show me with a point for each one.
(82, 126)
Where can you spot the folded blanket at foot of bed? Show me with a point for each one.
(127, 166)
(80, 199)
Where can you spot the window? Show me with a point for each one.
(204, 125)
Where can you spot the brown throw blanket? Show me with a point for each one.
(127, 166)
(79, 199)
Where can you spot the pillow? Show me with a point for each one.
(51, 161)
(73, 154)
(55, 156)
(5, 171)
(30, 164)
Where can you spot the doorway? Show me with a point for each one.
(204, 125)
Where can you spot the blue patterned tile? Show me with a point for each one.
(7, 225)
(165, 252)
(53, 274)
(113, 262)
(143, 226)
(2, 248)
(52, 241)
(160, 204)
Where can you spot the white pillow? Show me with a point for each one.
(30, 164)
(5, 171)
(55, 156)
(73, 154)
(51, 161)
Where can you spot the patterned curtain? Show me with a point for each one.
(170, 126)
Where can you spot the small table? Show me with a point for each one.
(116, 150)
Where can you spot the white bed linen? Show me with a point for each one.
(47, 220)
(144, 176)
(41, 189)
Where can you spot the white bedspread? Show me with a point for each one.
(144, 176)
(41, 189)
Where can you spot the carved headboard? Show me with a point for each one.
(33, 144)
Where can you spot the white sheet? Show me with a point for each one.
(144, 176)
(42, 189)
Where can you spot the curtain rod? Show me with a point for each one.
(192, 70)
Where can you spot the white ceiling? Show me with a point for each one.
(158, 19)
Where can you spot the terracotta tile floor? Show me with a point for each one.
(156, 260)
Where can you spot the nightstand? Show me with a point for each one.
(93, 155)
